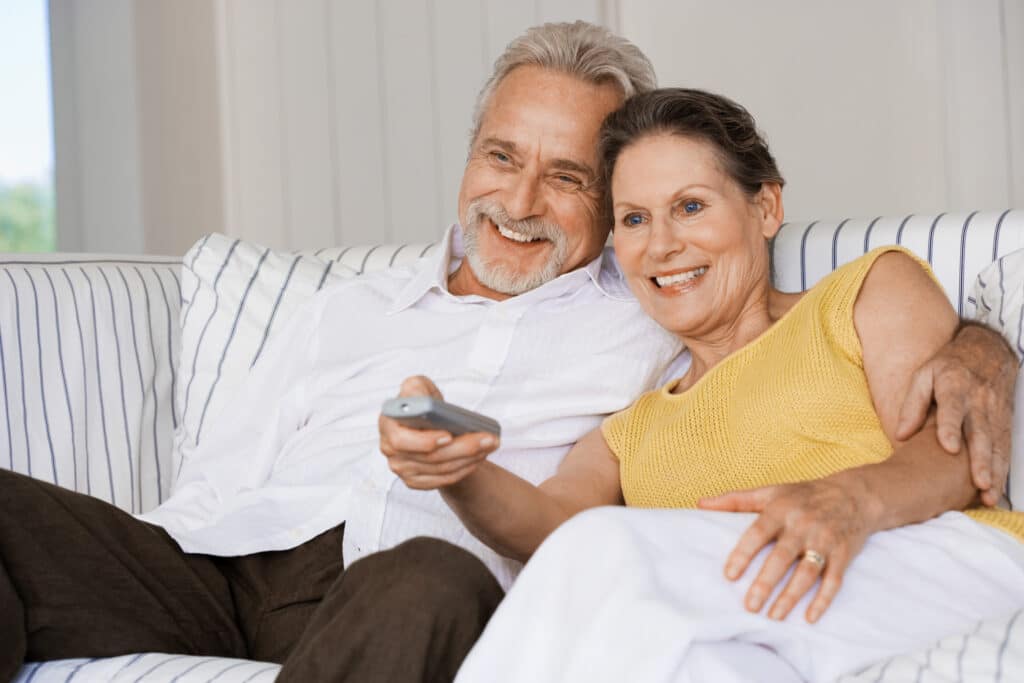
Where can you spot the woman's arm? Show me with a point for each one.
(902, 318)
(513, 516)
(505, 511)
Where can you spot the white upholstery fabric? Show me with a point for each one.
(152, 667)
(235, 294)
(88, 356)
(957, 245)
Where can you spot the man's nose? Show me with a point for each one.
(525, 197)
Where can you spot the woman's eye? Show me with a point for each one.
(691, 206)
(632, 219)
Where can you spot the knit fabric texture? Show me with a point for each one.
(792, 405)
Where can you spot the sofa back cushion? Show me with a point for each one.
(236, 294)
(88, 358)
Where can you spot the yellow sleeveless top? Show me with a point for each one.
(792, 405)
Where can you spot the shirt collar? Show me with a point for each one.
(433, 270)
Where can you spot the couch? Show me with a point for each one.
(111, 365)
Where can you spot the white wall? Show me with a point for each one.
(300, 123)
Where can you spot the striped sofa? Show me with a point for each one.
(111, 365)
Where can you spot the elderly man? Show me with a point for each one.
(519, 315)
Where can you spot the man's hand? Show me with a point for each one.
(972, 381)
(818, 516)
(430, 459)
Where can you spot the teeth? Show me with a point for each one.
(670, 280)
(513, 235)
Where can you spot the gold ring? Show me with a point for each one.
(815, 558)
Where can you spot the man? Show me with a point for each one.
(287, 537)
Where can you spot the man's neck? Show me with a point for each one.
(463, 282)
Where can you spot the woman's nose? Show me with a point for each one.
(664, 239)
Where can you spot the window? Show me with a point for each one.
(26, 128)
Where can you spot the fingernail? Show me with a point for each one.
(776, 613)
(754, 601)
(732, 572)
(444, 440)
(487, 442)
(813, 614)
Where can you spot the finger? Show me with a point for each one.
(1000, 469)
(831, 581)
(759, 534)
(465, 446)
(412, 470)
(916, 404)
(429, 482)
(418, 385)
(779, 560)
(403, 439)
(951, 410)
(803, 578)
(979, 448)
(752, 500)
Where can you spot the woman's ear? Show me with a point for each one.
(769, 204)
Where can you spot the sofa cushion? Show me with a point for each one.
(152, 667)
(236, 294)
(88, 354)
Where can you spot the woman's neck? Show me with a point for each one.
(757, 315)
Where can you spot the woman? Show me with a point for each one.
(792, 400)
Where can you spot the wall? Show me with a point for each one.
(889, 108)
(299, 123)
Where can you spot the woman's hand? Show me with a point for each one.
(429, 458)
(811, 520)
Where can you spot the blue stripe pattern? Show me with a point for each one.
(21, 371)
(42, 380)
(64, 378)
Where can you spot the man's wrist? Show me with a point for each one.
(975, 329)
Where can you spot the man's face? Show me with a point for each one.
(529, 201)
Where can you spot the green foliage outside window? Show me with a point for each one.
(26, 218)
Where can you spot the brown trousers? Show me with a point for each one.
(81, 578)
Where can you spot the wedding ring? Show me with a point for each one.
(815, 558)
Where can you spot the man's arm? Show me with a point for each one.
(972, 380)
(902, 317)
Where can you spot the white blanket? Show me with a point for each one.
(622, 594)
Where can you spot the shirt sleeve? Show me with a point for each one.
(999, 297)
(240, 446)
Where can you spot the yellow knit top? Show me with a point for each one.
(792, 405)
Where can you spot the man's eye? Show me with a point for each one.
(564, 181)
(501, 157)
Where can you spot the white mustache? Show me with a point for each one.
(533, 228)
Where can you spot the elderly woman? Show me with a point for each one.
(783, 430)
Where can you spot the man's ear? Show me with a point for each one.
(769, 205)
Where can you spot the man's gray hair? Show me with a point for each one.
(592, 53)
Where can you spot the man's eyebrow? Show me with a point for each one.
(577, 166)
(507, 146)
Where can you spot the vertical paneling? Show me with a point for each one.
(460, 72)
(65, 122)
(306, 106)
(254, 86)
(358, 124)
(568, 10)
(1013, 63)
(98, 127)
(504, 21)
(978, 163)
(408, 82)
(852, 105)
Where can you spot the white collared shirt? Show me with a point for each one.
(298, 452)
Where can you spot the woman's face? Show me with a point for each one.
(690, 242)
